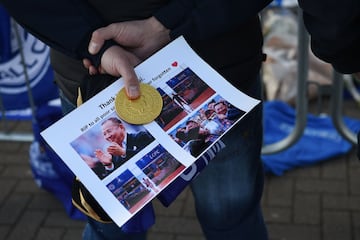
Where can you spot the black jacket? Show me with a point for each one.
(67, 25)
(334, 27)
(218, 30)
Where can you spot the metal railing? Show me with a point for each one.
(301, 96)
(337, 88)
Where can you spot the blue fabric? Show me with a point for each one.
(170, 193)
(13, 89)
(48, 170)
(142, 220)
(320, 140)
(108, 231)
(5, 47)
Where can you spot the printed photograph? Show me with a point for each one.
(110, 143)
(130, 192)
(206, 126)
(160, 167)
(182, 94)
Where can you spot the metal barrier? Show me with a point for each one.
(302, 101)
(336, 111)
(301, 97)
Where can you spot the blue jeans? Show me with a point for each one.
(227, 193)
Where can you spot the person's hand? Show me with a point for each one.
(116, 61)
(139, 39)
(104, 158)
(221, 116)
(91, 162)
(116, 150)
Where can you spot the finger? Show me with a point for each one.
(93, 70)
(100, 35)
(118, 62)
(132, 85)
(101, 70)
(86, 63)
(96, 42)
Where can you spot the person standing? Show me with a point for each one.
(127, 32)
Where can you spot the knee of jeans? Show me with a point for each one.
(227, 206)
(226, 210)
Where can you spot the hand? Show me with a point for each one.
(221, 116)
(91, 162)
(116, 150)
(139, 39)
(142, 37)
(104, 158)
(117, 61)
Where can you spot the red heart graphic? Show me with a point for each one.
(174, 64)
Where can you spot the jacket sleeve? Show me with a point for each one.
(334, 28)
(64, 25)
(200, 19)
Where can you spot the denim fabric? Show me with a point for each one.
(228, 191)
(108, 231)
(66, 105)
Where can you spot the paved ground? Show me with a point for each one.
(320, 202)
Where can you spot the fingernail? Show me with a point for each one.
(92, 47)
(133, 92)
(92, 71)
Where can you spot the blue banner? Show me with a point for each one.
(15, 68)
(320, 140)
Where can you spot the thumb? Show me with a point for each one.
(98, 38)
(126, 70)
(132, 85)
(118, 62)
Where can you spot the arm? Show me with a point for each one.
(195, 19)
(334, 30)
(200, 19)
(67, 26)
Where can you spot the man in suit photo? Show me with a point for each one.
(123, 146)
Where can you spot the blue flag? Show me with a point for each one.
(320, 140)
(34, 67)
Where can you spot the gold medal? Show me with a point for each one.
(141, 110)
